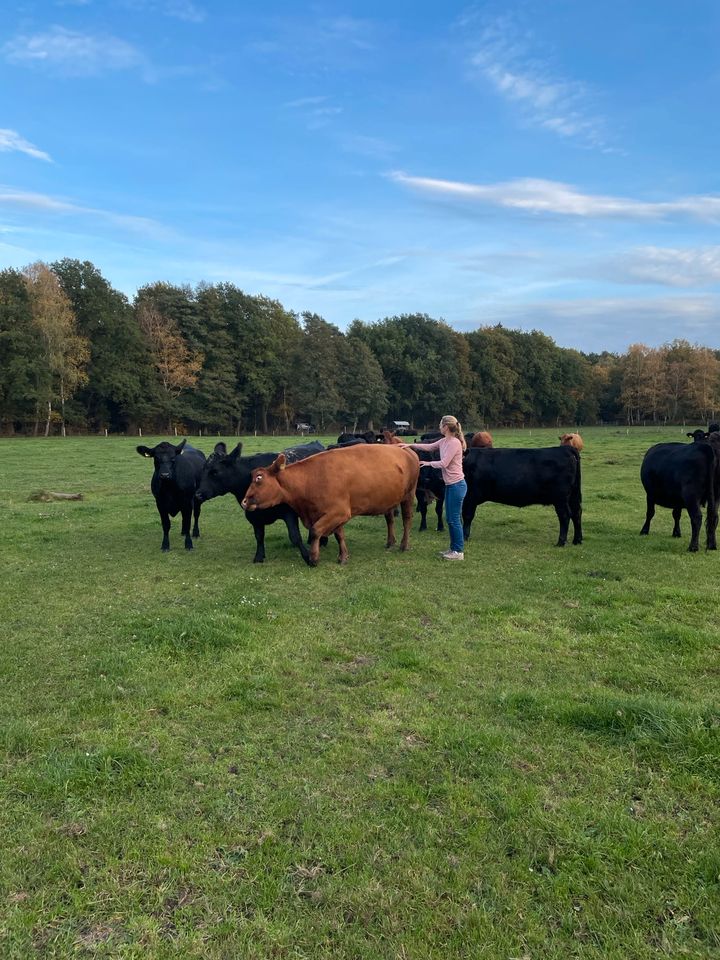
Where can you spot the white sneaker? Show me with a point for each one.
(453, 555)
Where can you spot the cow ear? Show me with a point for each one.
(220, 449)
(689, 434)
(146, 451)
(236, 452)
(278, 464)
(179, 447)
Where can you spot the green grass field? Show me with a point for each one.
(513, 757)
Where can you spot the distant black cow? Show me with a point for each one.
(431, 437)
(697, 435)
(520, 478)
(368, 436)
(231, 473)
(174, 481)
(430, 489)
(684, 475)
(349, 441)
(714, 428)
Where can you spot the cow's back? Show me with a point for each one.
(188, 469)
(671, 472)
(364, 480)
(520, 477)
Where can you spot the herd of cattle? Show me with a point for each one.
(368, 474)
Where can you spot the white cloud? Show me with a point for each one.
(608, 323)
(317, 111)
(74, 54)
(504, 59)
(548, 197)
(42, 203)
(672, 267)
(11, 141)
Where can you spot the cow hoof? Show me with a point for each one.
(676, 533)
(577, 543)
(188, 544)
(692, 549)
(389, 546)
(165, 549)
(196, 534)
(258, 559)
(644, 533)
(342, 561)
(560, 543)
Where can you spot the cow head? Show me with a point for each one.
(698, 436)
(222, 473)
(265, 490)
(163, 456)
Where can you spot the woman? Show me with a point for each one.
(451, 449)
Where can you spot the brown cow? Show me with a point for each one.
(328, 489)
(482, 439)
(572, 440)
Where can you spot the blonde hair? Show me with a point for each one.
(455, 429)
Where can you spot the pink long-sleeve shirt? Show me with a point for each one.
(450, 462)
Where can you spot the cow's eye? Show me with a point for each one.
(258, 478)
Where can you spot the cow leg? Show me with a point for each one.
(677, 513)
(325, 525)
(650, 513)
(563, 514)
(293, 529)
(196, 516)
(390, 521)
(575, 504)
(343, 555)
(439, 503)
(186, 510)
(468, 515)
(259, 531)
(407, 511)
(695, 514)
(422, 510)
(165, 521)
(711, 522)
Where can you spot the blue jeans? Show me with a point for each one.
(454, 496)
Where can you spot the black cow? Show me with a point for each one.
(714, 428)
(231, 473)
(697, 436)
(430, 488)
(677, 475)
(431, 437)
(174, 481)
(368, 436)
(349, 442)
(519, 478)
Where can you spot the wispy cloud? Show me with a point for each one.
(316, 111)
(668, 266)
(43, 203)
(608, 323)
(504, 57)
(550, 198)
(316, 45)
(366, 146)
(178, 9)
(73, 54)
(11, 141)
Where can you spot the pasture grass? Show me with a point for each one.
(513, 757)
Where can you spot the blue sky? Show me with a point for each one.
(547, 164)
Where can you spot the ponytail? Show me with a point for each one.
(455, 429)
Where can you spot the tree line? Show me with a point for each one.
(76, 354)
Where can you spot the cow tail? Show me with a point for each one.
(712, 480)
(576, 492)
